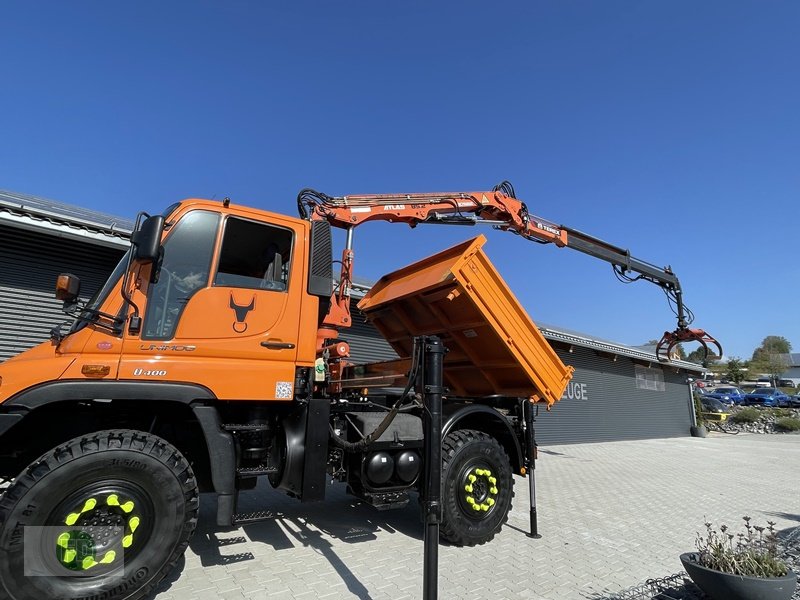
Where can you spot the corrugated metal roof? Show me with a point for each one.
(68, 215)
(559, 334)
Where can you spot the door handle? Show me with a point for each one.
(278, 345)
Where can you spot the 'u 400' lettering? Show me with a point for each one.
(148, 373)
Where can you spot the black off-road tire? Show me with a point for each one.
(127, 500)
(476, 471)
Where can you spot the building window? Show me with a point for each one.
(650, 379)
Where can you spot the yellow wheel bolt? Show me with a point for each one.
(493, 491)
(472, 479)
(476, 507)
(109, 557)
(112, 500)
(72, 518)
(470, 500)
(127, 541)
(468, 488)
(492, 480)
(69, 556)
(133, 523)
(484, 507)
(490, 501)
(88, 563)
(89, 505)
(127, 507)
(63, 540)
(488, 473)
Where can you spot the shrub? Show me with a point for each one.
(746, 415)
(788, 424)
(779, 412)
(753, 554)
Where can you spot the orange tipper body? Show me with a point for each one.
(493, 345)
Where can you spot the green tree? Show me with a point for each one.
(771, 364)
(697, 356)
(772, 344)
(734, 370)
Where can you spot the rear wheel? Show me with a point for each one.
(477, 487)
(106, 514)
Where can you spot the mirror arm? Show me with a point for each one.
(136, 320)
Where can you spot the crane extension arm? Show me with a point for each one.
(502, 210)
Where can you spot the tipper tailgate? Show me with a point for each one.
(494, 346)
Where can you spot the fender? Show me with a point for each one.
(487, 419)
(60, 391)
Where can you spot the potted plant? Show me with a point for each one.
(698, 430)
(742, 566)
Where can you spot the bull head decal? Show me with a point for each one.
(241, 312)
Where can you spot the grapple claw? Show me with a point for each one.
(673, 338)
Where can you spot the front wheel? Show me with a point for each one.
(104, 515)
(477, 487)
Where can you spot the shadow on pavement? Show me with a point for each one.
(290, 523)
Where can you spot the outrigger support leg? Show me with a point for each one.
(433, 389)
(528, 409)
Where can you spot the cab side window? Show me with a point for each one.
(254, 255)
(185, 269)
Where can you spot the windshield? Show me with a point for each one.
(100, 296)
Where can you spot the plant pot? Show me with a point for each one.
(724, 586)
(698, 431)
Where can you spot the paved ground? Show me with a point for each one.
(612, 515)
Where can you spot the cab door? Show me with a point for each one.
(225, 311)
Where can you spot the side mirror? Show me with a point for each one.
(147, 239)
(68, 287)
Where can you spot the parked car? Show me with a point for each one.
(727, 395)
(787, 383)
(712, 405)
(794, 401)
(763, 382)
(765, 397)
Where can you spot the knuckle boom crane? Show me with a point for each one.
(500, 209)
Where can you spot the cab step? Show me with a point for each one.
(258, 516)
(245, 426)
(257, 471)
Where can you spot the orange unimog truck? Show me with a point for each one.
(216, 354)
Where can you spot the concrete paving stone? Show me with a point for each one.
(612, 515)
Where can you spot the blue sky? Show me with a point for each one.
(670, 128)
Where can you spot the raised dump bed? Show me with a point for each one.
(494, 346)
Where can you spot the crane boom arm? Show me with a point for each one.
(500, 209)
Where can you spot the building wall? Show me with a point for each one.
(611, 400)
(29, 265)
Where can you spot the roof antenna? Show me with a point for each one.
(226, 202)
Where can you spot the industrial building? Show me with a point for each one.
(617, 393)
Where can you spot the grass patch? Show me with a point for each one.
(746, 415)
(788, 424)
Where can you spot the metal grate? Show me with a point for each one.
(674, 587)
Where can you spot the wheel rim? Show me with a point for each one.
(98, 528)
(478, 491)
